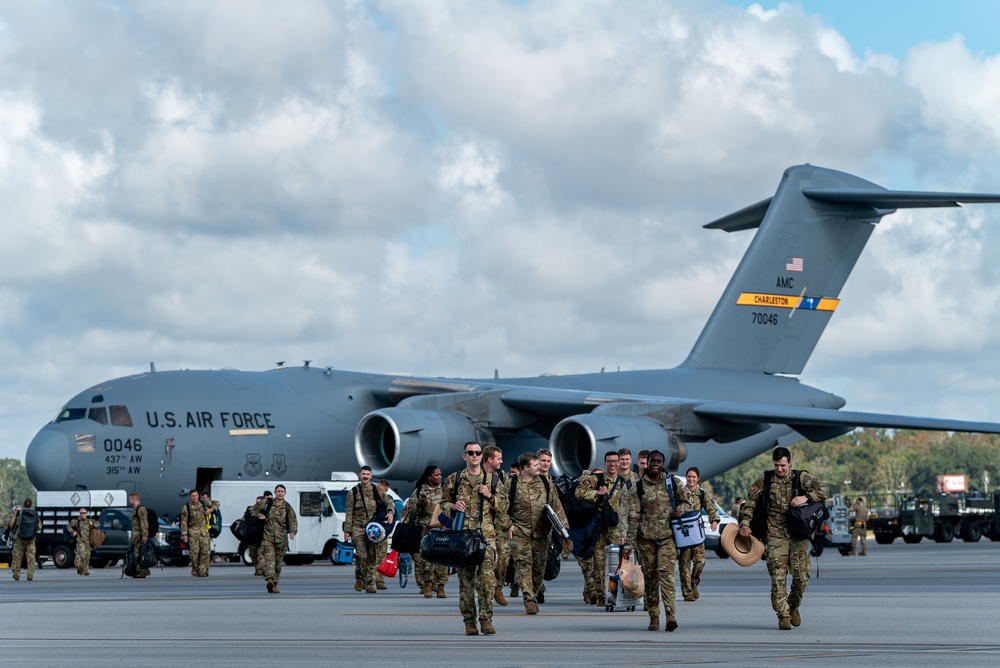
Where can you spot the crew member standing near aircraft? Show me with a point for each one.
(140, 531)
(362, 507)
(607, 488)
(692, 559)
(492, 463)
(280, 524)
(544, 464)
(657, 497)
(254, 550)
(425, 497)
(481, 498)
(194, 531)
(382, 547)
(80, 527)
(530, 529)
(859, 528)
(784, 553)
(24, 525)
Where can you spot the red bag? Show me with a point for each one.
(390, 566)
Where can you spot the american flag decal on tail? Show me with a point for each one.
(793, 264)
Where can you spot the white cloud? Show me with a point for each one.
(448, 188)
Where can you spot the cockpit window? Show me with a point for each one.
(68, 414)
(120, 416)
(99, 414)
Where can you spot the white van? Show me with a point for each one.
(319, 504)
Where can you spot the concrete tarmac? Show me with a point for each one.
(902, 605)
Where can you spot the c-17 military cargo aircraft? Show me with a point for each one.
(735, 395)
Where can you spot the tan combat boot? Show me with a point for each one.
(784, 624)
(671, 623)
(470, 629)
(487, 626)
(499, 597)
(530, 608)
(358, 586)
(440, 592)
(795, 618)
(654, 624)
(427, 590)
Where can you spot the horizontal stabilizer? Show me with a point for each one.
(896, 199)
(806, 420)
(746, 218)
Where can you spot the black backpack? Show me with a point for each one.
(803, 521)
(152, 521)
(578, 511)
(27, 526)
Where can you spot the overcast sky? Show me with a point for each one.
(449, 188)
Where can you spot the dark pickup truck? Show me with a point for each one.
(55, 544)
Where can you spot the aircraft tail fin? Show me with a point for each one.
(787, 286)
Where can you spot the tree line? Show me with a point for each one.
(878, 461)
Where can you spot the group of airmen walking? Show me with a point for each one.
(515, 514)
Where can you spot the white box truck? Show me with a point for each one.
(319, 504)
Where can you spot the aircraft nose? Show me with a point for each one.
(47, 460)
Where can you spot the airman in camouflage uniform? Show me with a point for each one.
(361, 509)
(473, 492)
(382, 547)
(692, 559)
(492, 463)
(544, 464)
(426, 495)
(24, 548)
(784, 553)
(194, 530)
(657, 498)
(280, 524)
(80, 527)
(530, 528)
(140, 531)
(859, 527)
(603, 487)
(254, 550)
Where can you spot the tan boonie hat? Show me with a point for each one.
(744, 551)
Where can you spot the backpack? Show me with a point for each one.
(215, 524)
(578, 511)
(152, 521)
(27, 526)
(802, 521)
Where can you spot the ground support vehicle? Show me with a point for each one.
(836, 530)
(110, 509)
(938, 516)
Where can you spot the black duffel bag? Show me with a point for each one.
(455, 549)
(406, 538)
(237, 529)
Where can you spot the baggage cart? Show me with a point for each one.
(615, 596)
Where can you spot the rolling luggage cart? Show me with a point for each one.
(615, 597)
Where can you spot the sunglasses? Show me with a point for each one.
(474, 453)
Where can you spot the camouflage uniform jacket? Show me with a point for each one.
(649, 516)
(193, 520)
(281, 519)
(617, 498)
(361, 505)
(140, 522)
(82, 529)
(432, 495)
(780, 500)
(503, 521)
(557, 503)
(468, 491)
(527, 506)
(702, 501)
(860, 513)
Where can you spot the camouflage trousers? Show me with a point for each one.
(859, 534)
(365, 558)
(784, 556)
(272, 552)
(254, 551)
(692, 562)
(427, 573)
(136, 546)
(530, 555)
(200, 546)
(503, 558)
(481, 580)
(658, 560)
(24, 548)
(593, 583)
(381, 552)
(81, 554)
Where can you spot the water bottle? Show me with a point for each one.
(459, 522)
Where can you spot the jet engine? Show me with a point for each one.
(399, 443)
(579, 442)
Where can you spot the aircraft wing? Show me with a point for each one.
(818, 421)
